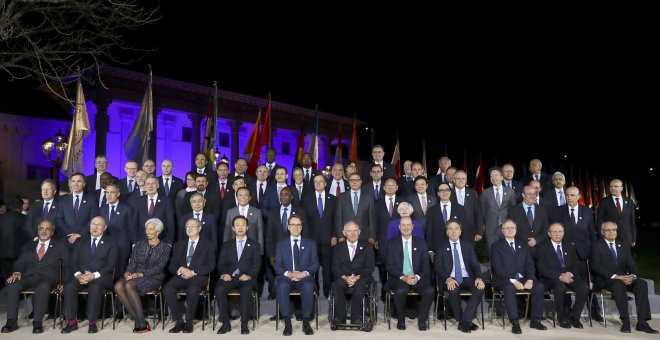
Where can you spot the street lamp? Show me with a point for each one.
(54, 152)
(327, 171)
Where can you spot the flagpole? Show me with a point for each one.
(270, 124)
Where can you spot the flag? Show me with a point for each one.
(353, 156)
(211, 127)
(597, 189)
(301, 148)
(264, 140)
(396, 158)
(313, 147)
(465, 161)
(79, 130)
(579, 184)
(588, 201)
(339, 152)
(424, 159)
(480, 176)
(631, 194)
(254, 139)
(137, 144)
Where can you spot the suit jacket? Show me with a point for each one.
(67, 222)
(517, 188)
(249, 179)
(271, 172)
(12, 225)
(545, 180)
(383, 220)
(365, 217)
(320, 228)
(418, 212)
(551, 197)
(162, 210)
(90, 183)
(363, 262)
(100, 200)
(103, 261)
(538, 230)
(298, 196)
(603, 265)
(209, 228)
(369, 186)
(120, 225)
(549, 266)
(435, 229)
(203, 259)
(275, 231)
(420, 258)
(474, 220)
(626, 225)
(504, 264)
(583, 233)
(494, 216)
(343, 182)
(309, 260)
(268, 200)
(48, 268)
(255, 225)
(250, 262)
(444, 260)
(388, 172)
(124, 194)
(312, 172)
(175, 185)
(212, 205)
(34, 218)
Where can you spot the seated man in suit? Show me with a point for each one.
(192, 261)
(457, 267)
(513, 270)
(353, 263)
(296, 263)
(559, 269)
(40, 273)
(92, 264)
(238, 265)
(614, 269)
(407, 259)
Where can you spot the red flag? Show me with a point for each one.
(301, 148)
(264, 139)
(424, 159)
(396, 158)
(254, 138)
(353, 156)
(587, 199)
(479, 183)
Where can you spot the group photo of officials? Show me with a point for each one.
(214, 244)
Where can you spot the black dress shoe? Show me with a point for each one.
(226, 327)
(625, 327)
(244, 328)
(37, 330)
(177, 328)
(271, 296)
(422, 326)
(564, 324)
(464, 328)
(536, 323)
(576, 324)
(597, 318)
(307, 328)
(473, 326)
(9, 328)
(69, 328)
(515, 327)
(288, 330)
(91, 329)
(401, 325)
(188, 328)
(643, 326)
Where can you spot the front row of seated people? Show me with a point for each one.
(46, 263)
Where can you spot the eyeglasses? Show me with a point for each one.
(509, 228)
(444, 190)
(354, 180)
(376, 171)
(609, 230)
(295, 224)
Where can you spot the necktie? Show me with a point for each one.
(352, 251)
(144, 192)
(167, 186)
(407, 264)
(444, 178)
(498, 198)
(409, 179)
(458, 273)
(618, 205)
(513, 248)
(613, 251)
(573, 221)
(319, 205)
(560, 256)
(240, 249)
(355, 202)
(284, 219)
(151, 208)
(530, 216)
(424, 204)
(299, 192)
(562, 199)
(338, 189)
(191, 250)
(112, 212)
(391, 207)
(104, 201)
(307, 175)
(444, 213)
(76, 206)
(507, 184)
(197, 217)
(279, 189)
(536, 177)
(261, 192)
(243, 212)
(130, 185)
(222, 191)
(461, 197)
(41, 251)
(94, 246)
(296, 255)
(44, 214)
(376, 192)
(270, 168)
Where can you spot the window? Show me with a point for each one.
(286, 148)
(186, 134)
(223, 139)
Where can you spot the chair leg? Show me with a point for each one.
(602, 308)
(103, 311)
(444, 310)
(277, 315)
(483, 324)
(204, 311)
(316, 310)
(162, 311)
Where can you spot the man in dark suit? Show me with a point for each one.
(119, 217)
(358, 205)
(377, 153)
(222, 188)
(375, 185)
(99, 195)
(308, 171)
(150, 206)
(535, 173)
(169, 185)
(438, 215)
(337, 184)
(238, 266)
(409, 269)
(230, 202)
(422, 199)
(239, 171)
(457, 267)
(353, 263)
(442, 176)
(386, 211)
(300, 188)
(472, 228)
(296, 262)
(557, 195)
(93, 182)
(558, 266)
(513, 270)
(620, 210)
(41, 210)
(614, 269)
(75, 211)
(192, 261)
(271, 165)
(37, 268)
(508, 182)
(208, 221)
(128, 183)
(211, 197)
(92, 264)
(149, 167)
(532, 220)
(579, 229)
(12, 225)
(202, 167)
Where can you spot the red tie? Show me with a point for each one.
(618, 205)
(222, 191)
(391, 209)
(151, 208)
(338, 189)
(42, 251)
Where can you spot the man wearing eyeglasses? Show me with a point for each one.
(356, 204)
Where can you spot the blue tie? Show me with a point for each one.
(284, 219)
(560, 256)
(458, 273)
(376, 192)
(130, 185)
(613, 252)
(94, 246)
(444, 214)
(319, 204)
(167, 186)
(44, 214)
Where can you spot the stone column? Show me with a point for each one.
(153, 138)
(196, 120)
(235, 132)
(102, 102)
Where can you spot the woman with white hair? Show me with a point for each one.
(145, 272)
